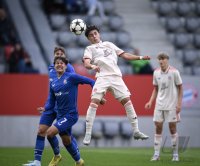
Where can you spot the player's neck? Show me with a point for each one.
(164, 68)
(59, 74)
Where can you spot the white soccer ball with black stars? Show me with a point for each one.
(77, 26)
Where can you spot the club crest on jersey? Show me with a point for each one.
(107, 52)
(169, 78)
(65, 81)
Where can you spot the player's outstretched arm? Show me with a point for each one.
(129, 56)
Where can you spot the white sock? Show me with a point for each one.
(91, 113)
(37, 162)
(157, 144)
(174, 143)
(131, 114)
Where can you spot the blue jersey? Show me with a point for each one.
(53, 74)
(48, 117)
(64, 91)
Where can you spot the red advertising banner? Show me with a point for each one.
(22, 94)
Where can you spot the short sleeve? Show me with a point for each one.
(117, 49)
(154, 79)
(178, 80)
(87, 53)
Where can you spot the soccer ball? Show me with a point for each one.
(77, 26)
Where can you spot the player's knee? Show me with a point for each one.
(173, 130)
(159, 127)
(42, 131)
(95, 103)
(50, 134)
(126, 100)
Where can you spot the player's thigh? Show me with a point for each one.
(64, 125)
(119, 89)
(100, 87)
(52, 131)
(158, 116)
(47, 118)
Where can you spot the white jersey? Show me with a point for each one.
(167, 96)
(105, 55)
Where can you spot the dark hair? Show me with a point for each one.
(90, 28)
(65, 60)
(59, 48)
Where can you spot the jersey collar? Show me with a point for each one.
(165, 72)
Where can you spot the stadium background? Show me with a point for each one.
(21, 94)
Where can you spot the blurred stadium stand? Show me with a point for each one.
(129, 25)
(26, 35)
(47, 28)
(147, 34)
(181, 21)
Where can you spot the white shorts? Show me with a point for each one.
(114, 84)
(166, 115)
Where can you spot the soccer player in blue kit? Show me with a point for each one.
(63, 92)
(46, 120)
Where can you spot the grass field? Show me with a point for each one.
(102, 157)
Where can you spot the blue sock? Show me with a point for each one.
(54, 144)
(73, 139)
(73, 149)
(39, 147)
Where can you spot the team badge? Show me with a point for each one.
(65, 81)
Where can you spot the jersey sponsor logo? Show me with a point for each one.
(164, 86)
(58, 94)
(63, 121)
(61, 93)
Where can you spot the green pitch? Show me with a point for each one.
(101, 157)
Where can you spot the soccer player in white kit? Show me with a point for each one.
(102, 57)
(168, 94)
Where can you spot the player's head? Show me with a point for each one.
(59, 52)
(92, 33)
(60, 58)
(60, 64)
(163, 55)
(163, 60)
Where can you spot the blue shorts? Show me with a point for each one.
(64, 124)
(48, 117)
